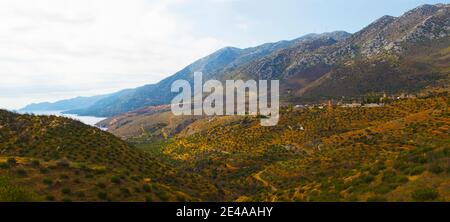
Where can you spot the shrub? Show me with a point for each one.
(48, 181)
(136, 189)
(63, 176)
(4, 165)
(124, 191)
(163, 196)
(63, 164)
(80, 194)
(400, 165)
(101, 185)
(436, 169)
(148, 199)
(12, 193)
(384, 188)
(377, 199)
(181, 199)
(21, 172)
(392, 177)
(66, 199)
(50, 198)
(44, 170)
(66, 191)
(88, 175)
(11, 161)
(416, 170)
(146, 188)
(35, 163)
(115, 179)
(102, 195)
(425, 194)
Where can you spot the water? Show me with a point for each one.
(88, 120)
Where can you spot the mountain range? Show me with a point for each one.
(391, 55)
(75, 103)
(344, 150)
(215, 66)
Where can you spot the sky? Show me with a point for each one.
(59, 49)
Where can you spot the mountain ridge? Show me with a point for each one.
(319, 66)
(62, 105)
(211, 64)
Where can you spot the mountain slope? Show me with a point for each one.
(75, 103)
(401, 54)
(392, 55)
(50, 154)
(214, 66)
(388, 153)
(395, 55)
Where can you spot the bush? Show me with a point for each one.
(426, 194)
(115, 180)
(392, 177)
(48, 181)
(436, 169)
(64, 176)
(137, 190)
(44, 170)
(400, 165)
(80, 194)
(148, 199)
(377, 199)
(4, 165)
(63, 164)
(384, 188)
(35, 163)
(12, 193)
(11, 161)
(416, 170)
(163, 196)
(66, 199)
(146, 188)
(88, 175)
(50, 198)
(66, 191)
(102, 195)
(125, 191)
(101, 185)
(21, 172)
(181, 199)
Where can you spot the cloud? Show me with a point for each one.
(53, 49)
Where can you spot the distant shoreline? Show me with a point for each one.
(88, 120)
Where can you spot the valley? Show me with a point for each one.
(364, 117)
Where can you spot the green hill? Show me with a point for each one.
(396, 152)
(388, 153)
(62, 159)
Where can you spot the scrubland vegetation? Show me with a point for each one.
(398, 152)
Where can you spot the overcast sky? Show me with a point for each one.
(57, 49)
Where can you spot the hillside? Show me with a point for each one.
(214, 66)
(153, 123)
(393, 54)
(398, 152)
(54, 158)
(364, 117)
(75, 103)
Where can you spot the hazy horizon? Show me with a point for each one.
(54, 49)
